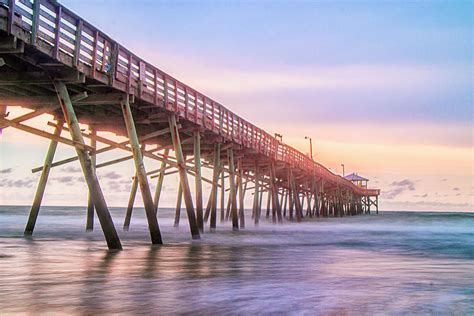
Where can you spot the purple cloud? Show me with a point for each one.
(66, 180)
(111, 175)
(397, 188)
(71, 169)
(6, 171)
(8, 183)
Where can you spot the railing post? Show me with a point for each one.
(35, 21)
(176, 99)
(141, 77)
(11, 16)
(129, 75)
(78, 43)
(165, 92)
(113, 61)
(186, 102)
(57, 33)
(213, 116)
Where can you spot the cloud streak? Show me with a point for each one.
(6, 171)
(20, 183)
(375, 77)
(112, 175)
(71, 169)
(397, 188)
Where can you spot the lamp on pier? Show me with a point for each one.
(310, 146)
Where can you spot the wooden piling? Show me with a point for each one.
(282, 198)
(308, 201)
(188, 201)
(296, 198)
(208, 207)
(34, 211)
(260, 205)
(153, 227)
(177, 213)
(159, 184)
(103, 214)
(276, 204)
(256, 195)
(376, 204)
(198, 179)
(367, 198)
(90, 204)
(215, 180)
(131, 201)
(269, 199)
(316, 206)
(285, 201)
(222, 193)
(235, 217)
(323, 200)
(241, 193)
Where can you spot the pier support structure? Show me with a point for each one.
(95, 190)
(233, 191)
(215, 180)
(34, 211)
(198, 179)
(141, 175)
(90, 203)
(183, 177)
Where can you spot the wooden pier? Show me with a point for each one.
(54, 62)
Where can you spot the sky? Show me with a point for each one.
(383, 87)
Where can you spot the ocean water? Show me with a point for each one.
(394, 263)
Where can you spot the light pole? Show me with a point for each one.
(280, 136)
(310, 146)
(343, 173)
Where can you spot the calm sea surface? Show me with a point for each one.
(392, 263)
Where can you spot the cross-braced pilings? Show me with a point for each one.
(53, 62)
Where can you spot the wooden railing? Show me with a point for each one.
(68, 38)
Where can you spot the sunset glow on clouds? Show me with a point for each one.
(385, 88)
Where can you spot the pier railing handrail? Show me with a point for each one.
(65, 36)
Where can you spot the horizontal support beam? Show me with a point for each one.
(105, 149)
(40, 77)
(11, 45)
(26, 117)
(80, 99)
(44, 134)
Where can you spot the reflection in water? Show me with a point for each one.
(388, 264)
